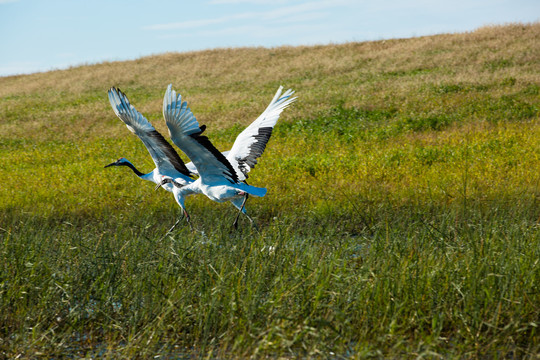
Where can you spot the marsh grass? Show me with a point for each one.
(401, 219)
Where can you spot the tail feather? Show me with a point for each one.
(252, 190)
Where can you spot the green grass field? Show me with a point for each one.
(401, 221)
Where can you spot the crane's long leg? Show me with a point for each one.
(235, 223)
(172, 228)
(184, 214)
(188, 220)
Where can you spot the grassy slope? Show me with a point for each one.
(402, 214)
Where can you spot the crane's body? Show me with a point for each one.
(222, 177)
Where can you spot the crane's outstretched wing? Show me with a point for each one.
(165, 157)
(186, 133)
(191, 166)
(251, 142)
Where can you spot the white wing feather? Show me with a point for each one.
(165, 157)
(251, 142)
(185, 132)
(191, 166)
(133, 119)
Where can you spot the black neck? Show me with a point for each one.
(135, 170)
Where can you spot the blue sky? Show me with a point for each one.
(41, 35)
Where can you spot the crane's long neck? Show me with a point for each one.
(135, 170)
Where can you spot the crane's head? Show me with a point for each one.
(120, 162)
(168, 180)
(179, 196)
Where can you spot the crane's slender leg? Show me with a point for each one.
(235, 223)
(172, 228)
(253, 223)
(188, 220)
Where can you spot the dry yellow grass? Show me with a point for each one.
(228, 86)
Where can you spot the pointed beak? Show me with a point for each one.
(163, 182)
(111, 164)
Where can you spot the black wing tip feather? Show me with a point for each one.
(255, 150)
(121, 94)
(171, 154)
(117, 90)
(204, 141)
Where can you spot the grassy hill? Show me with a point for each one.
(401, 218)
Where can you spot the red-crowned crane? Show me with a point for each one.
(221, 177)
(167, 161)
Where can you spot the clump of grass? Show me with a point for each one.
(459, 281)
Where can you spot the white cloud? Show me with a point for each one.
(299, 12)
(251, 2)
(188, 24)
(300, 18)
(251, 35)
(303, 8)
(257, 31)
